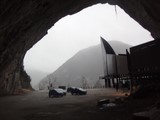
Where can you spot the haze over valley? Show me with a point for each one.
(86, 65)
(73, 33)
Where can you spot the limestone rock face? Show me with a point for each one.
(145, 12)
(25, 22)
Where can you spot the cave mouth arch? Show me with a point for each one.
(119, 25)
(24, 23)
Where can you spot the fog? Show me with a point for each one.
(81, 30)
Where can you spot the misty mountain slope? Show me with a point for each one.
(86, 64)
(36, 76)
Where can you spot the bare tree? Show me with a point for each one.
(51, 81)
(98, 84)
(84, 82)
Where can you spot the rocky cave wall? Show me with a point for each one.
(25, 22)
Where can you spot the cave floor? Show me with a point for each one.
(38, 106)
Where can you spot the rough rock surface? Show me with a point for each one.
(25, 22)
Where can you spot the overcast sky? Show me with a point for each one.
(75, 32)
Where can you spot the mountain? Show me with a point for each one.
(84, 68)
(36, 76)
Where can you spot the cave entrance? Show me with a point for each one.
(41, 56)
(79, 31)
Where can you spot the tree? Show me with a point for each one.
(98, 84)
(51, 81)
(84, 82)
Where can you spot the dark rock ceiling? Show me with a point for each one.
(24, 22)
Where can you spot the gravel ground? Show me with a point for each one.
(38, 106)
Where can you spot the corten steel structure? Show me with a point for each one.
(115, 66)
(140, 67)
(145, 63)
